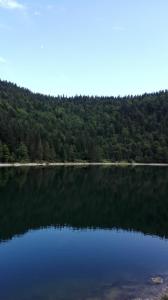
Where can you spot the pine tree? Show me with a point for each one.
(22, 152)
(6, 154)
(1, 151)
(39, 150)
(46, 154)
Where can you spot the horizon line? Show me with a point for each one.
(83, 95)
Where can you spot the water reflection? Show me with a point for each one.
(92, 197)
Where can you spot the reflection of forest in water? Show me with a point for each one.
(91, 197)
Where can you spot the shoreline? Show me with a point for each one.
(71, 164)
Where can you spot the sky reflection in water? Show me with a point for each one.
(114, 241)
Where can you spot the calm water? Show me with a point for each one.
(92, 233)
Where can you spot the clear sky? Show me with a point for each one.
(99, 47)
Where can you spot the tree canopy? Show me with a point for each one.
(35, 127)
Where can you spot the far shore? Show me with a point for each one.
(57, 164)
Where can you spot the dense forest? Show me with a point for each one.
(35, 127)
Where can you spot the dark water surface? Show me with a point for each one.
(94, 233)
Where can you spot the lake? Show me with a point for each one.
(83, 233)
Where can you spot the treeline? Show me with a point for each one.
(34, 127)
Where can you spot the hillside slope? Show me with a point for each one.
(35, 127)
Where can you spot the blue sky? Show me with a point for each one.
(99, 47)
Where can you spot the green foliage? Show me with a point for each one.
(42, 128)
(5, 154)
(22, 152)
(1, 151)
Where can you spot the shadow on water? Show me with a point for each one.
(134, 199)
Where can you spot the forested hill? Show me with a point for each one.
(34, 127)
